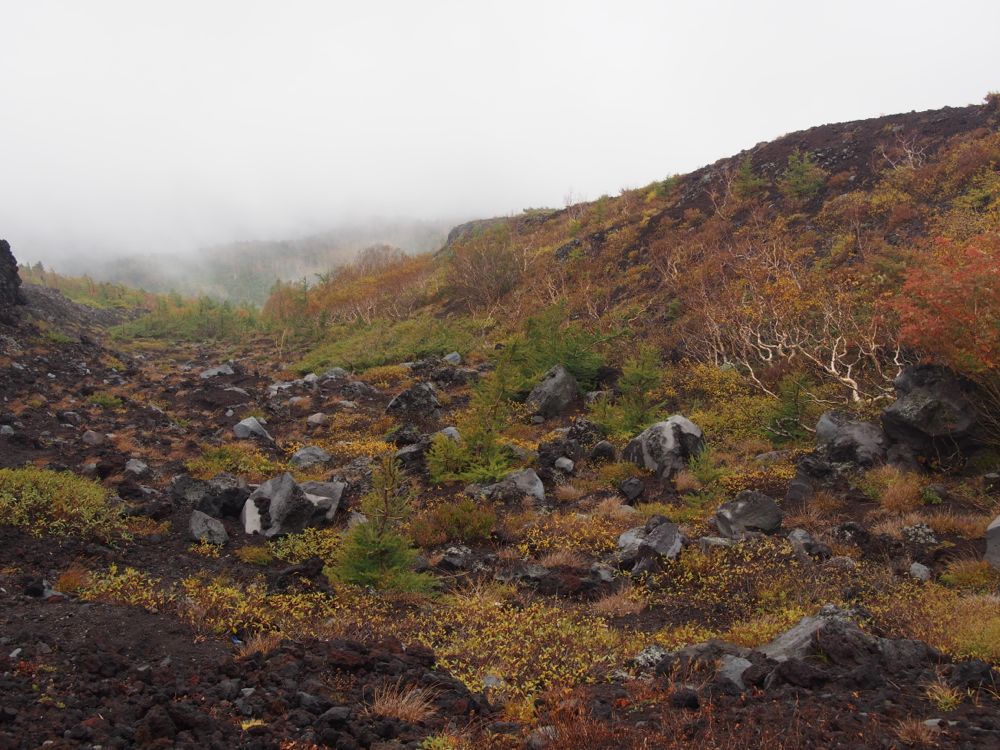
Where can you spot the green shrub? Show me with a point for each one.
(60, 503)
(803, 178)
(638, 406)
(360, 346)
(105, 401)
(176, 318)
(747, 184)
(548, 340)
(375, 553)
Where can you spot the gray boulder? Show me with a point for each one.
(317, 420)
(222, 495)
(554, 393)
(933, 414)
(94, 439)
(748, 511)
(204, 528)
(335, 373)
(251, 428)
(850, 441)
(309, 456)
(919, 572)
(419, 398)
(527, 482)
(666, 447)
(280, 506)
(658, 539)
(325, 495)
(454, 359)
(797, 642)
(136, 468)
(214, 372)
(993, 543)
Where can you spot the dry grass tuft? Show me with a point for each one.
(567, 493)
(914, 733)
(564, 558)
(618, 604)
(73, 580)
(943, 695)
(968, 525)
(260, 643)
(406, 703)
(685, 481)
(893, 489)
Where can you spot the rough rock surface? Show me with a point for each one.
(933, 414)
(10, 284)
(281, 506)
(748, 511)
(554, 393)
(850, 441)
(666, 447)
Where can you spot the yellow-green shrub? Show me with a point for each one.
(60, 503)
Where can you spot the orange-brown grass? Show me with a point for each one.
(970, 574)
(564, 558)
(260, 643)
(619, 604)
(968, 525)
(73, 580)
(914, 733)
(892, 488)
(685, 481)
(892, 526)
(613, 509)
(408, 703)
(567, 493)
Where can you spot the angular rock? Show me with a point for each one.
(993, 543)
(280, 506)
(850, 441)
(94, 439)
(659, 538)
(797, 642)
(251, 428)
(527, 482)
(325, 495)
(666, 447)
(632, 489)
(603, 452)
(919, 572)
(454, 359)
(214, 372)
(136, 467)
(933, 413)
(749, 511)
(223, 495)
(419, 398)
(554, 393)
(311, 455)
(204, 528)
(317, 420)
(10, 284)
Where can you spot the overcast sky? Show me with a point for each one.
(141, 126)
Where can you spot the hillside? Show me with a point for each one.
(713, 463)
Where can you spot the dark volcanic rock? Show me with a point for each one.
(933, 415)
(10, 284)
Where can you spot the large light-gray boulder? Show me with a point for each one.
(748, 511)
(251, 428)
(797, 642)
(281, 506)
(667, 446)
(554, 393)
(850, 441)
(325, 495)
(527, 481)
(993, 543)
(204, 528)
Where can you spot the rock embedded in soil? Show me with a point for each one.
(249, 428)
(419, 399)
(554, 394)
(204, 528)
(666, 447)
(849, 440)
(309, 456)
(281, 506)
(749, 511)
(993, 543)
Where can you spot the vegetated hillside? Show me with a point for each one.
(246, 271)
(785, 256)
(657, 492)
